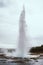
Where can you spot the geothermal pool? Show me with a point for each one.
(32, 62)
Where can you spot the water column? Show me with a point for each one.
(22, 36)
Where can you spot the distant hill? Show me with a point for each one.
(38, 49)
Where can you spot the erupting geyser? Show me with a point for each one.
(22, 35)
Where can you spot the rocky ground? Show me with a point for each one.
(4, 58)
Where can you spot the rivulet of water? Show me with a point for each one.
(33, 62)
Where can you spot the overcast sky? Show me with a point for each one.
(9, 20)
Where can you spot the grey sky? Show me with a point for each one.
(9, 20)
